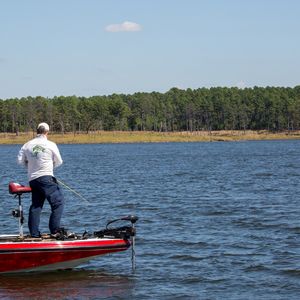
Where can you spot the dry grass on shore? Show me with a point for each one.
(151, 137)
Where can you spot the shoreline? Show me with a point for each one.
(103, 137)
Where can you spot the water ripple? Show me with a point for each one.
(217, 220)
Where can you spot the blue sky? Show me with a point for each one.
(101, 47)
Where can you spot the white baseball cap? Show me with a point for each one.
(45, 125)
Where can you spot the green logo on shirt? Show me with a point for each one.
(37, 149)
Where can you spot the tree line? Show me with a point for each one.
(218, 108)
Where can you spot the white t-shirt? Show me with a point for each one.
(40, 156)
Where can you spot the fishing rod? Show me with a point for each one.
(73, 191)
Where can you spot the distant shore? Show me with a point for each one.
(151, 137)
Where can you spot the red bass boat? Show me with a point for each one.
(20, 253)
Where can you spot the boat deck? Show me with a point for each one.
(28, 238)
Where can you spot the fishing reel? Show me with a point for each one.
(17, 213)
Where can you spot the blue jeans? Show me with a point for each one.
(45, 187)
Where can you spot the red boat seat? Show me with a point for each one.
(17, 188)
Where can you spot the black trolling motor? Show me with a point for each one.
(124, 232)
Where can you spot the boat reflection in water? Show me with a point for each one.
(68, 284)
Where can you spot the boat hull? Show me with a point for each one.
(43, 255)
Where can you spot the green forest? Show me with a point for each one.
(218, 108)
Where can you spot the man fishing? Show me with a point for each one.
(41, 156)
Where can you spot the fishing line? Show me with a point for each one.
(72, 190)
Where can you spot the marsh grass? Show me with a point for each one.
(151, 137)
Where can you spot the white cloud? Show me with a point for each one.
(125, 26)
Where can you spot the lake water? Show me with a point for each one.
(217, 220)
